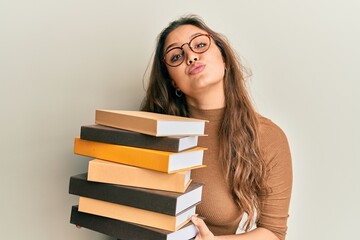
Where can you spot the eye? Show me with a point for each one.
(175, 57)
(201, 45)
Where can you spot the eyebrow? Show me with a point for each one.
(173, 44)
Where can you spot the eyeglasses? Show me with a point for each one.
(198, 44)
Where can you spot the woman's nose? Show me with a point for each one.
(191, 56)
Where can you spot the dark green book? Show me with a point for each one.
(128, 231)
(166, 202)
(100, 133)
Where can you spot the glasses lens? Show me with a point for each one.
(200, 43)
(174, 57)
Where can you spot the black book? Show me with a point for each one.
(128, 231)
(166, 202)
(100, 133)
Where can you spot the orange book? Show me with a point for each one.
(115, 173)
(150, 123)
(162, 161)
(136, 215)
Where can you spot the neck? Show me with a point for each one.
(207, 102)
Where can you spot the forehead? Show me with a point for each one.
(182, 34)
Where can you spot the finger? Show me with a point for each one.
(200, 224)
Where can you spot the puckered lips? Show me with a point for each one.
(196, 68)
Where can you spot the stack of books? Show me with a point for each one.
(138, 186)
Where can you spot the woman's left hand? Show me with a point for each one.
(204, 232)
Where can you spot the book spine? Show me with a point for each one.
(115, 173)
(129, 196)
(116, 228)
(144, 158)
(122, 137)
(135, 215)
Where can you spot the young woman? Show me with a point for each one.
(248, 178)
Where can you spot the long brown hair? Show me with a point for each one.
(239, 138)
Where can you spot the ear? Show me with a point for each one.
(174, 84)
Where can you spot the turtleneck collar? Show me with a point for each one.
(211, 115)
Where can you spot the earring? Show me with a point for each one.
(178, 92)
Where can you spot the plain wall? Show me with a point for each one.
(61, 60)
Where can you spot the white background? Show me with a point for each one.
(61, 60)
